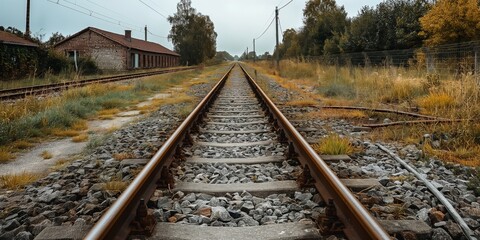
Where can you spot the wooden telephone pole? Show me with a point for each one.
(27, 28)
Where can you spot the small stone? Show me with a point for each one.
(440, 234)
(190, 197)
(24, 236)
(453, 229)
(220, 213)
(440, 224)
(204, 211)
(12, 224)
(268, 220)
(422, 214)
(436, 216)
(303, 196)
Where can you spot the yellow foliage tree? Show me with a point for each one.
(450, 21)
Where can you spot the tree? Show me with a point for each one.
(290, 46)
(451, 21)
(54, 39)
(193, 34)
(323, 19)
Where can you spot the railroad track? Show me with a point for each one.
(16, 93)
(236, 162)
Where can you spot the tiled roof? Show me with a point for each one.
(10, 38)
(134, 43)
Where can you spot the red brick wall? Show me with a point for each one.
(106, 53)
(111, 55)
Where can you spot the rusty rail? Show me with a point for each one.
(15, 93)
(115, 222)
(359, 224)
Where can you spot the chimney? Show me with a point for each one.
(146, 33)
(128, 35)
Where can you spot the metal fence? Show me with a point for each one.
(445, 61)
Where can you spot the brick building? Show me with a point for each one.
(115, 51)
(19, 57)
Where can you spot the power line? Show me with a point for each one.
(117, 13)
(153, 9)
(95, 14)
(156, 35)
(285, 5)
(269, 25)
(280, 25)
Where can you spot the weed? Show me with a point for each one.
(80, 138)
(115, 186)
(434, 102)
(302, 103)
(60, 164)
(124, 155)
(21, 144)
(5, 155)
(17, 181)
(46, 155)
(65, 132)
(95, 142)
(334, 145)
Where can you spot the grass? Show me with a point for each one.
(65, 132)
(17, 181)
(302, 103)
(336, 113)
(5, 155)
(65, 115)
(22, 144)
(46, 155)
(115, 186)
(80, 138)
(123, 155)
(60, 164)
(333, 145)
(450, 96)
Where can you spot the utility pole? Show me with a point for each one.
(277, 56)
(27, 28)
(254, 53)
(247, 53)
(146, 30)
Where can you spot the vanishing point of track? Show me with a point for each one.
(236, 105)
(15, 93)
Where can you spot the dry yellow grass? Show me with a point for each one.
(17, 181)
(333, 145)
(65, 132)
(21, 144)
(116, 186)
(124, 155)
(5, 155)
(302, 103)
(60, 164)
(108, 112)
(46, 155)
(435, 103)
(337, 113)
(80, 125)
(80, 138)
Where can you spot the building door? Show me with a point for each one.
(135, 59)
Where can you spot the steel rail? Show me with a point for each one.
(358, 222)
(14, 93)
(114, 223)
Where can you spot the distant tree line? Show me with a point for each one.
(392, 24)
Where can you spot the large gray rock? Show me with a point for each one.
(220, 213)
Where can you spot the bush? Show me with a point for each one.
(87, 66)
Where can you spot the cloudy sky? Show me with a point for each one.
(236, 22)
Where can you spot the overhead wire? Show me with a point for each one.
(153, 9)
(110, 10)
(100, 16)
(285, 4)
(266, 29)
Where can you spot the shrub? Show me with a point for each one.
(333, 145)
